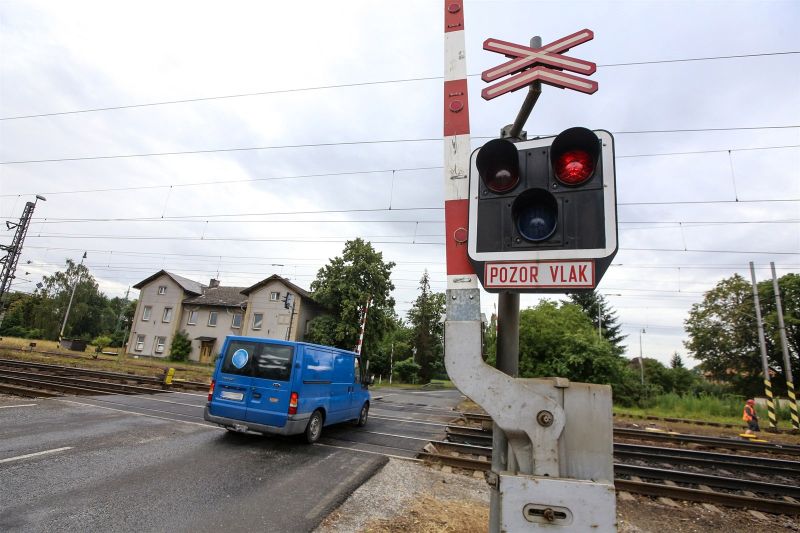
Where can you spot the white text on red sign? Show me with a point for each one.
(540, 275)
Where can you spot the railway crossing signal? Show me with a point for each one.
(542, 213)
(545, 64)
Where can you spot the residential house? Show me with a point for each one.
(169, 303)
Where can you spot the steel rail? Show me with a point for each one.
(721, 498)
(719, 442)
(650, 489)
(707, 459)
(669, 455)
(26, 392)
(480, 437)
(104, 386)
(191, 385)
(480, 417)
(46, 386)
(720, 482)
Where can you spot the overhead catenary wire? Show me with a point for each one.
(368, 83)
(331, 174)
(344, 143)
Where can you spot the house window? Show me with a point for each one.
(162, 289)
(146, 312)
(167, 314)
(274, 296)
(192, 318)
(160, 342)
(236, 320)
(212, 318)
(139, 343)
(258, 320)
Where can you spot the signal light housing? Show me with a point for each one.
(211, 390)
(547, 203)
(293, 399)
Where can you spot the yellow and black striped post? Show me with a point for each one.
(787, 362)
(773, 419)
(793, 405)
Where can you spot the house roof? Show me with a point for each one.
(302, 292)
(219, 296)
(186, 284)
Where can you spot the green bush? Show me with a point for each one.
(407, 370)
(101, 342)
(181, 347)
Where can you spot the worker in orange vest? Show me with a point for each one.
(750, 416)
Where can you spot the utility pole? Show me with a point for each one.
(71, 297)
(773, 419)
(13, 251)
(641, 358)
(787, 363)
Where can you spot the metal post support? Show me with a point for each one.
(71, 297)
(773, 420)
(503, 458)
(527, 106)
(787, 363)
(14, 250)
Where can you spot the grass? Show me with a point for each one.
(724, 409)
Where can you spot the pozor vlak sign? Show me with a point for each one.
(543, 213)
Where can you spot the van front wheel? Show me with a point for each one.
(362, 417)
(314, 427)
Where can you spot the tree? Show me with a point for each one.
(396, 345)
(676, 361)
(596, 308)
(407, 370)
(425, 317)
(88, 315)
(559, 340)
(343, 287)
(723, 331)
(181, 347)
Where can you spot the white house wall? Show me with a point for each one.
(223, 328)
(155, 326)
(276, 316)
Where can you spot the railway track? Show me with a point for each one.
(775, 498)
(483, 437)
(28, 379)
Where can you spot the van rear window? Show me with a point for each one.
(258, 359)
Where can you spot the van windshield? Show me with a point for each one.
(258, 359)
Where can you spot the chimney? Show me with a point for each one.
(213, 284)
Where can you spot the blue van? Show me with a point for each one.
(280, 387)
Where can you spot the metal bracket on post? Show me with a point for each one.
(556, 430)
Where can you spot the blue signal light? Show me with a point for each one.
(535, 214)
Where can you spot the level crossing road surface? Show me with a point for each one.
(151, 463)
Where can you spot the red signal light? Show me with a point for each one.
(211, 390)
(293, 403)
(573, 167)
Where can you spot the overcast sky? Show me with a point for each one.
(243, 139)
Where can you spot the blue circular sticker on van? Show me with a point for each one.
(240, 358)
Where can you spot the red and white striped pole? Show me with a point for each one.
(460, 274)
(363, 326)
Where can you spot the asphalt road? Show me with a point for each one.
(150, 463)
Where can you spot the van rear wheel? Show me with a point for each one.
(314, 427)
(363, 415)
